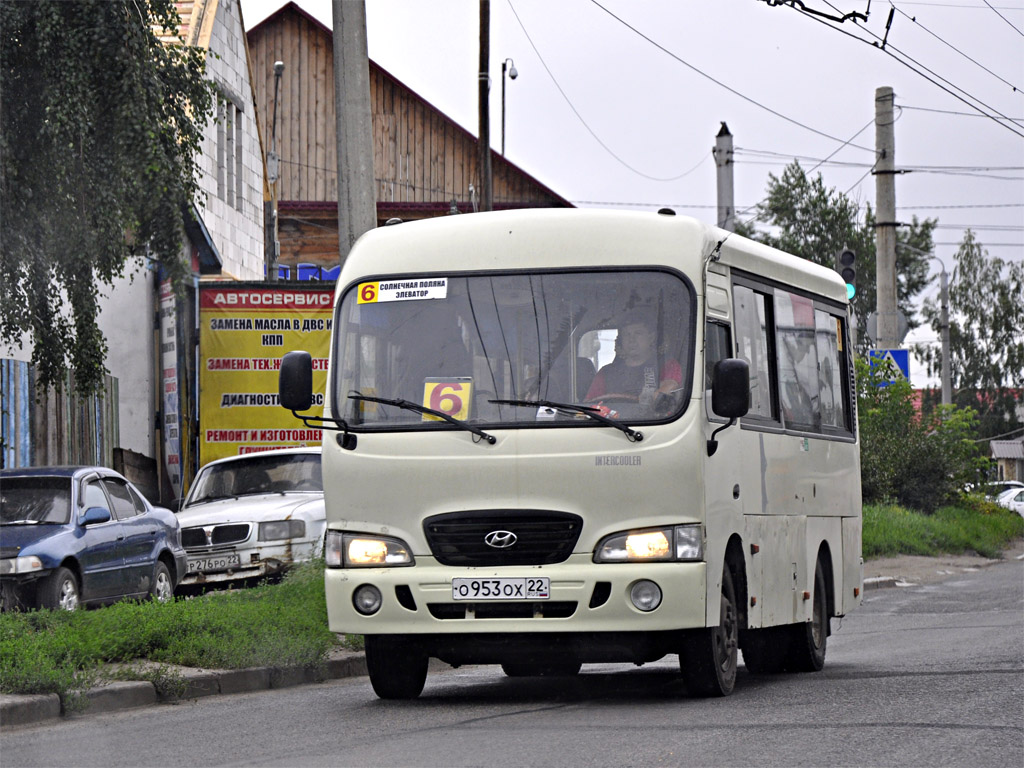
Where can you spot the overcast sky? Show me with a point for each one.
(618, 102)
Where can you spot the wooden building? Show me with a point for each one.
(424, 163)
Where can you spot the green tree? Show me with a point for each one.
(986, 336)
(920, 461)
(100, 126)
(809, 220)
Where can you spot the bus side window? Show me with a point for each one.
(753, 312)
(717, 346)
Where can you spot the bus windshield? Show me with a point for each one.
(618, 341)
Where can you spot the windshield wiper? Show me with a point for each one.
(22, 522)
(411, 406)
(588, 410)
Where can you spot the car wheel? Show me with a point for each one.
(162, 589)
(60, 590)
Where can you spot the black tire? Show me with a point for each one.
(710, 656)
(541, 669)
(162, 587)
(60, 591)
(397, 667)
(808, 640)
(765, 650)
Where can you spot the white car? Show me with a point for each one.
(1012, 499)
(252, 516)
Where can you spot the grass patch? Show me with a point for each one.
(275, 626)
(975, 525)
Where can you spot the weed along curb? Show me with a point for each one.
(171, 684)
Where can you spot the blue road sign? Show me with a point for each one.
(899, 357)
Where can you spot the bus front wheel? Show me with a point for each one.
(397, 667)
(710, 656)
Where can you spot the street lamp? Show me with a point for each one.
(506, 66)
(945, 375)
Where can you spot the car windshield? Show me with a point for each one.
(502, 349)
(259, 473)
(35, 500)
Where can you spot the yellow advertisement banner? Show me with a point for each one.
(243, 334)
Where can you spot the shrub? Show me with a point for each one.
(918, 461)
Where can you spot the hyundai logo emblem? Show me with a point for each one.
(500, 539)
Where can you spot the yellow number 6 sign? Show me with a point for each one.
(452, 396)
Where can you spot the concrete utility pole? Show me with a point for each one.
(887, 335)
(272, 246)
(947, 378)
(724, 166)
(357, 207)
(484, 85)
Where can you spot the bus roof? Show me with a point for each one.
(571, 238)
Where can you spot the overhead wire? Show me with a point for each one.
(590, 130)
(997, 13)
(953, 47)
(888, 49)
(719, 83)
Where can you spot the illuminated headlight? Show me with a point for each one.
(678, 543)
(357, 550)
(12, 565)
(282, 529)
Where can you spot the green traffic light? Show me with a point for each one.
(850, 290)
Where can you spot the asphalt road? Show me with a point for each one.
(919, 676)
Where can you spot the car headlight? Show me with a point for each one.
(282, 529)
(12, 565)
(359, 550)
(674, 544)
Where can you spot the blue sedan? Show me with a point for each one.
(72, 536)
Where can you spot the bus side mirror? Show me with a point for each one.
(730, 388)
(295, 381)
(730, 394)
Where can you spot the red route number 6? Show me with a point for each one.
(367, 293)
(444, 395)
(449, 396)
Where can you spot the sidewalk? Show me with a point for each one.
(17, 710)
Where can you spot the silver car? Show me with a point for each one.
(252, 516)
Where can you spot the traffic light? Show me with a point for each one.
(846, 266)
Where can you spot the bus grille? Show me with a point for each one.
(540, 537)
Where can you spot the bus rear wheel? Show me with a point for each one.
(710, 656)
(808, 640)
(397, 667)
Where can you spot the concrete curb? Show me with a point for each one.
(33, 709)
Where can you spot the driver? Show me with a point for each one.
(633, 374)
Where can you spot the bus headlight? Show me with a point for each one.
(647, 545)
(358, 550)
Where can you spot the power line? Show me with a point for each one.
(584, 122)
(952, 112)
(719, 83)
(997, 13)
(950, 45)
(888, 50)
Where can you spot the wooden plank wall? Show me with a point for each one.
(57, 427)
(419, 154)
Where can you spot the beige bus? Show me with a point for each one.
(567, 437)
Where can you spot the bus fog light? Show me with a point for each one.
(645, 595)
(367, 599)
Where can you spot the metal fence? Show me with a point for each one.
(55, 427)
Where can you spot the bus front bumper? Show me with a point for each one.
(583, 597)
